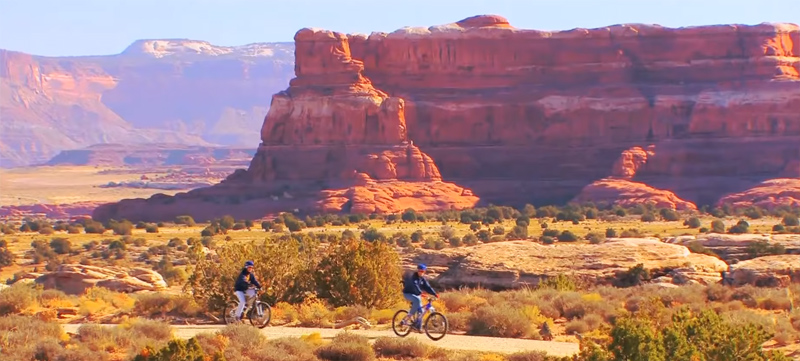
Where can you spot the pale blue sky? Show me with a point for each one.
(94, 27)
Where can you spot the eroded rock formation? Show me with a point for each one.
(75, 279)
(521, 116)
(515, 264)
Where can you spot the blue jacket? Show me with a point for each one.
(244, 281)
(414, 284)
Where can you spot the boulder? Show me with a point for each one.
(76, 279)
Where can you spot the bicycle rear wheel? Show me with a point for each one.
(436, 326)
(229, 312)
(400, 325)
(260, 315)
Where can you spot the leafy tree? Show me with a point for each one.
(285, 265)
(359, 273)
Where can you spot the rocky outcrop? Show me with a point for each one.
(515, 264)
(156, 91)
(524, 116)
(51, 211)
(737, 247)
(621, 190)
(75, 279)
(783, 192)
(767, 271)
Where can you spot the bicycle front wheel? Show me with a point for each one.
(400, 325)
(260, 315)
(229, 312)
(436, 326)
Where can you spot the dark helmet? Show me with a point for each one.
(422, 267)
(249, 264)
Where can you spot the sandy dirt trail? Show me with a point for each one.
(453, 342)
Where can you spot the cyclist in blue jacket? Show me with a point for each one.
(244, 283)
(413, 285)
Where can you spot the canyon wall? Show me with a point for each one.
(156, 91)
(516, 116)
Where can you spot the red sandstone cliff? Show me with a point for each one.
(522, 115)
(156, 91)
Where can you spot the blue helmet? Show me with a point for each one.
(249, 264)
(422, 267)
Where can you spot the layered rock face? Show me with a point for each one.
(525, 116)
(156, 91)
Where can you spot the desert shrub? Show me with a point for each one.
(469, 239)
(500, 321)
(46, 230)
(22, 336)
(705, 335)
(693, 222)
(175, 350)
(151, 228)
(741, 227)
(498, 230)
(611, 233)
(595, 237)
(372, 235)
(718, 293)
(314, 313)
(648, 217)
(359, 273)
(717, 226)
(669, 215)
(15, 298)
(576, 326)
(631, 233)
(289, 349)
(561, 282)
(791, 220)
(347, 347)
(697, 247)
(764, 248)
(7, 257)
(455, 242)
(61, 245)
(152, 304)
(529, 356)
(551, 232)
(778, 228)
(400, 347)
(121, 228)
(547, 240)
(567, 236)
(634, 276)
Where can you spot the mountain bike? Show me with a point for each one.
(259, 313)
(435, 325)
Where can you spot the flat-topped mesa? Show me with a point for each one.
(458, 54)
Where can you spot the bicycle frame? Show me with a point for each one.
(425, 309)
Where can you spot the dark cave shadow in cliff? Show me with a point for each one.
(516, 175)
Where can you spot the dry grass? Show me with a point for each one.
(69, 184)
